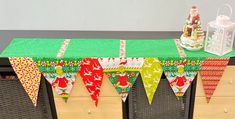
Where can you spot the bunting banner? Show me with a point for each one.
(151, 73)
(28, 74)
(180, 73)
(92, 73)
(122, 73)
(61, 74)
(211, 72)
(121, 60)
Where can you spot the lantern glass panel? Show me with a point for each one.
(228, 40)
(219, 40)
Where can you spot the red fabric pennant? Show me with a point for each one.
(92, 76)
(211, 72)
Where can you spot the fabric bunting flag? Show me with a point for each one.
(61, 74)
(92, 76)
(28, 74)
(151, 73)
(211, 72)
(180, 73)
(122, 73)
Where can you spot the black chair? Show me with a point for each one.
(14, 101)
(165, 104)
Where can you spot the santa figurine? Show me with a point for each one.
(193, 35)
(60, 82)
(193, 19)
(180, 80)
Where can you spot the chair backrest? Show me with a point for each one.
(14, 101)
(165, 105)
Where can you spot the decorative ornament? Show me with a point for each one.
(220, 34)
(193, 35)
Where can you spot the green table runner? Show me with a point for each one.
(80, 48)
(33, 47)
(93, 48)
(151, 48)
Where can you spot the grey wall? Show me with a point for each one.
(105, 15)
(92, 18)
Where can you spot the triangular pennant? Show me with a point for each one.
(92, 73)
(122, 73)
(151, 73)
(61, 74)
(28, 74)
(211, 72)
(180, 73)
(180, 81)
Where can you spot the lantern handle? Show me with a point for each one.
(228, 6)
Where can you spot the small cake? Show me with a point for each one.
(193, 35)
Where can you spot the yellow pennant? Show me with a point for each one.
(151, 73)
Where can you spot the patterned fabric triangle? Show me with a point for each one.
(211, 72)
(28, 74)
(180, 73)
(180, 81)
(151, 73)
(92, 76)
(122, 73)
(61, 74)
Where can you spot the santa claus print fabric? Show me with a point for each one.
(180, 81)
(211, 72)
(151, 73)
(180, 73)
(92, 76)
(28, 74)
(61, 74)
(122, 73)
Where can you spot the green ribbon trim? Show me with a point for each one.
(47, 65)
(192, 64)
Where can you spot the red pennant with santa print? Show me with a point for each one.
(122, 73)
(211, 72)
(180, 79)
(92, 76)
(61, 74)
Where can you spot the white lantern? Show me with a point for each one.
(220, 34)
